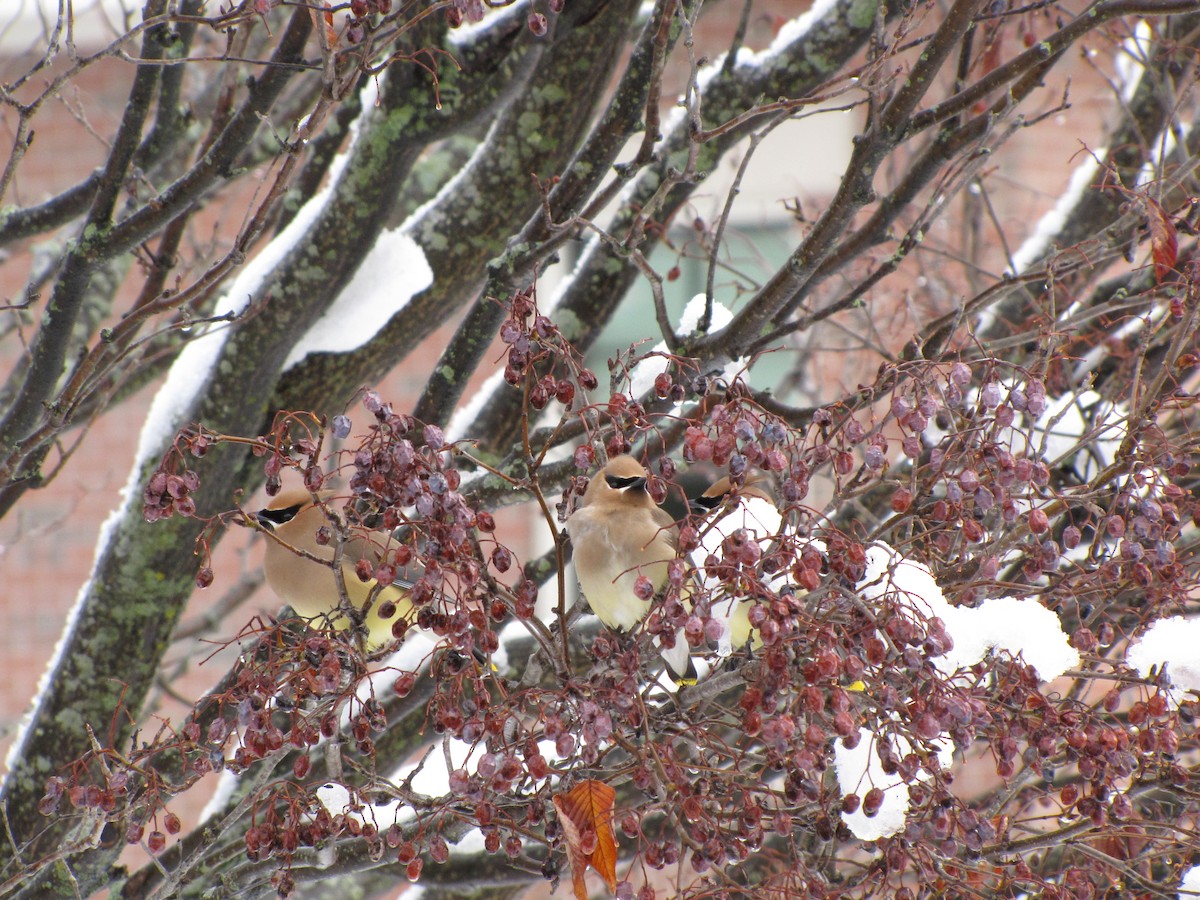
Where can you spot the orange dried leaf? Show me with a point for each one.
(585, 813)
(1164, 240)
(323, 18)
(331, 35)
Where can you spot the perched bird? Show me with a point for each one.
(749, 508)
(310, 587)
(619, 533)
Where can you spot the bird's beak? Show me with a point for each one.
(252, 520)
(627, 482)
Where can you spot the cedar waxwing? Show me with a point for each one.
(619, 533)
(309, 587)
(754, 510)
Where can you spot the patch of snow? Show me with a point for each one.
(1051, 224)
(1174, 645)
(1130, 60)
(1189, 886)
(643, 373)
(793, 31)
(394, 271)
(859, 769)
(1022, 628)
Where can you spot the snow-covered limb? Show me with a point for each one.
(642, 375)
(392, 274)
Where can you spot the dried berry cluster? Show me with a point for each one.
(169, 489)
(985, 482)
(538, 352)
(739, 768)
(404, 481)
(362, 17)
